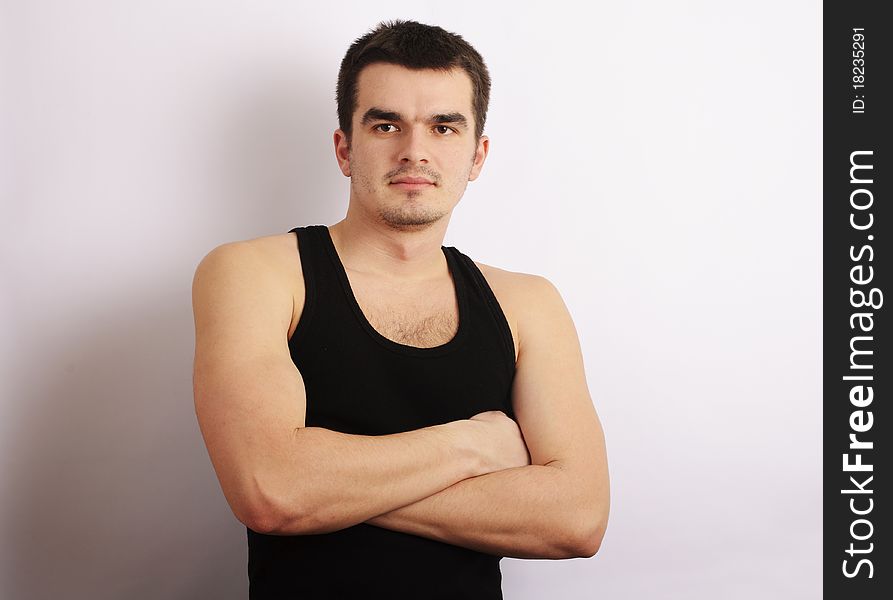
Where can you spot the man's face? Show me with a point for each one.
(413, 149)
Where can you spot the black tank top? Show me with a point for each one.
(360, 382)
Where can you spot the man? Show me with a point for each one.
(386, 416)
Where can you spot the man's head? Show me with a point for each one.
(412, 100)
(414, 46)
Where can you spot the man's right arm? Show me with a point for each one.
(279, 476)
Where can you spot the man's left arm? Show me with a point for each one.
(557, 507)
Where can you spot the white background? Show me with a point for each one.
(658, 161)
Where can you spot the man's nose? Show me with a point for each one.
(414, 146)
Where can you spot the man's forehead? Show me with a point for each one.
(407, 90)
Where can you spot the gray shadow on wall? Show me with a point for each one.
(275, 158)
(115, 494)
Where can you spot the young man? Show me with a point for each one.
(386, 416)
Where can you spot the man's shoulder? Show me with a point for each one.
(513, 283)
(270, 244)
(519, 294)
(275, 254)
(524, 298)
(275, 250)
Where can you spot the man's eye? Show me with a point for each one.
(379, 127)
(444, 129)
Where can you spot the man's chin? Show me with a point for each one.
(409, 220)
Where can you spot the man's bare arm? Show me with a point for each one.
(519, 513)
(558, 506)
(279, 476)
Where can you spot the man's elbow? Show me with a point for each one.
(260, 516)
(589, 545)
(270, 515)
(259, 522)
(285, 519)
(589, 537)
(270, 521)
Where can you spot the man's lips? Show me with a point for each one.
(412, 183)
(413, 180)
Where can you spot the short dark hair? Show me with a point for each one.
(415, 46)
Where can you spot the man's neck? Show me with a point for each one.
(379, 250)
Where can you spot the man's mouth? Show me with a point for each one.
(412, 183)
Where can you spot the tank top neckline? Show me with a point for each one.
(459, 290)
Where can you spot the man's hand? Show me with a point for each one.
(499, 439)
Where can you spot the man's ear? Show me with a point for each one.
(342, 151)
(480, 155)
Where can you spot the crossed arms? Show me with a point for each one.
(460, 483)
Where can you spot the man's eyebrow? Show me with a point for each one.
(380, 114)
(453, 117)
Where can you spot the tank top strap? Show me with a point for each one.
(312, 253)
(486, 308)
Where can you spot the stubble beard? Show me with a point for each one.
(411, 214)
